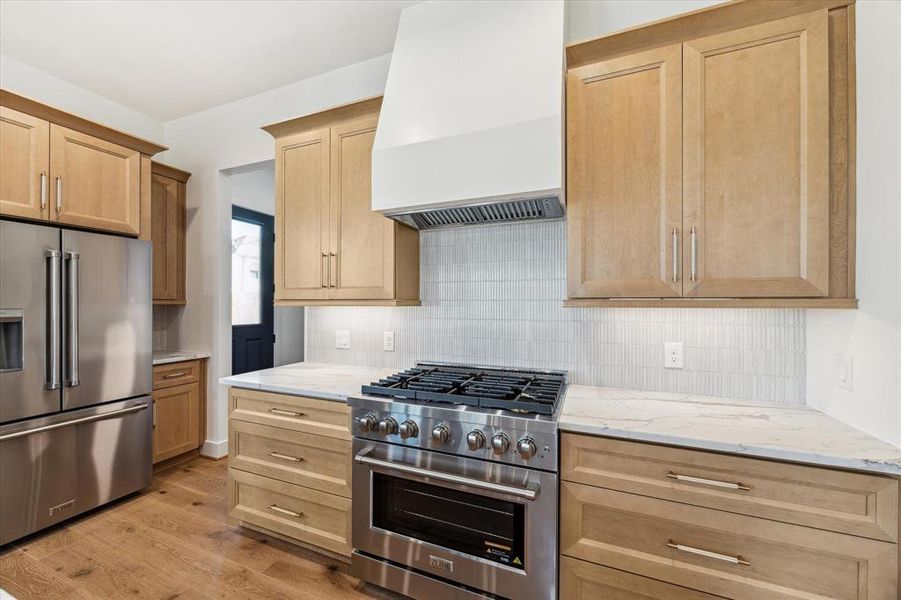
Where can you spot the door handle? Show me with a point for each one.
(711, 482)
(90, 419)
(694, 254)
(333, 266)
(51, 346)
(174, 375)
(72, 260)
(43, 191)
(59, 194)
(324, 273)
(675, 255)
(735, 560)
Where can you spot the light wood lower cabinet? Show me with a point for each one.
(179, 408)
(290, 467)
(728, 527)
(580, 580)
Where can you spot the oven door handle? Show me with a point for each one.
(363, 458)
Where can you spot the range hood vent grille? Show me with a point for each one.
(497, 212)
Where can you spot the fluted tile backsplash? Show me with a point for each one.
(494, 295)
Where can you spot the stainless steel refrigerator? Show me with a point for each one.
(75, 373)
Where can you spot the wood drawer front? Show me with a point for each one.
(304, 459)
(307, 415)
(855, 503)
(631, 533)
(580, 580)
(179, 373)
(313, 517)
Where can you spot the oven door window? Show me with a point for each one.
(469, 523)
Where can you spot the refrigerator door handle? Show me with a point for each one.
(72, 260)
(52, 379)
(77, 421)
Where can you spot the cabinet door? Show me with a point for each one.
(24, 165)
(624, 186)
(176, 426)
(361, 241)
(95, 183)
(167, 232)
(301, 216)
(756, 160)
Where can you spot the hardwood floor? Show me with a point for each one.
(171, 542)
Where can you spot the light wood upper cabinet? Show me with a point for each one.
(756, 152)
(718, 169)
(624, 187)
(94, 183)
(24, 164)
(168, 232)
(330, 247)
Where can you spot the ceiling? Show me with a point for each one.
(170, 59)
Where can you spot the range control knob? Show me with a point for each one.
(500, 443)
(387, 426)
(367, 422)
(440, 434)
(408, 429)
(526, 448)
(475, 439)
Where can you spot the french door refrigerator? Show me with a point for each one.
(75, 373)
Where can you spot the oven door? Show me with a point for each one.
(483, 525)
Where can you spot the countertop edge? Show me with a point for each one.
(179, 357)
(289, 391)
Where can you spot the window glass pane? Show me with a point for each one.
(246, 308)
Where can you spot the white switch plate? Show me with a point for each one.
(388, 345)
(846, 372)
(342, 339)
(672, 355)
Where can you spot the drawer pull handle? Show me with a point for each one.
(713, 482)
(285, 511)
(285, 457)
(174, 375)
(735, 560)
(287, 413)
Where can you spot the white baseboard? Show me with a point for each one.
(214, 449)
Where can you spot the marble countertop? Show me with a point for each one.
(162, 357)
(793, 433)
(315, 380)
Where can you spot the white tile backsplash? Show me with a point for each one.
(494, 295)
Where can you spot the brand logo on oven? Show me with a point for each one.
(441, 563)
(61, 507)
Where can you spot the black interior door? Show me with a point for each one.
(252, 251)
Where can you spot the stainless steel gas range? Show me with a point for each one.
(455, 482)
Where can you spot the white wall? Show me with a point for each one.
(25, 80)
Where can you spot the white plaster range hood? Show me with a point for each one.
(471, 126)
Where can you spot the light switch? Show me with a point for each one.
(342, 339)
(846, 372)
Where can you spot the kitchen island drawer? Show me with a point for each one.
(303, 459)
(580, 580)
(179, 373)
(298, 413)
(722, 553)
(841, 501)
(299, 513)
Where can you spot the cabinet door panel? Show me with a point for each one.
(176, 421)
(100, 182)
(24, 159)
(361, 241)
(164, 228)
(302, 202)
(624, 190)
(756, 162)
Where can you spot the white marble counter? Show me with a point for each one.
(315, 380)
(162, 357)
(799, 434)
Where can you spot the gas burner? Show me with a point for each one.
(517, 390)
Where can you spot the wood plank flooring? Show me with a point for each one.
(171, 542)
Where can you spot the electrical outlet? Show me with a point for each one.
(672, 355)
(342, 339)
(846, 372)
(388, 345)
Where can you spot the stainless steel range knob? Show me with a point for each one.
(408, 429)
(500, 443)
(475, 439)
(440, 434)
(387, 426)
(367, 422)
(526, 448)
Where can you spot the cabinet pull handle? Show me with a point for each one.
(154, 415)
(712, 482)
(174, 375)
(735, 560)
(333, 266)
(694, 254)
(287, 413)
(43, 190)
(285, 457)
(59, 194)
(675, 255)
(285, 511)
(324, 272)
